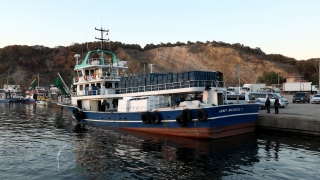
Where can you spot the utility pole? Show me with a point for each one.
(38, 81)
(278, 79)
(319, 77)
(8, 78)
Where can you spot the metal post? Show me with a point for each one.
(278, 79)
(319, 77)
(8, 80)
(239, 81)
(252, 76)
(38, 81)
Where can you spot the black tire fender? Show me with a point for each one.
(155, 118)
(75, 111)
(202, 115)
(79, 116)
(181, 121)
(187, 114)
(145, 117)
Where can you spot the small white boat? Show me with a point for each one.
(42, 103)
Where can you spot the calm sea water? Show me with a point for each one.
(44, 143)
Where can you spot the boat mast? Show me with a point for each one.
(38, 82)
(102, 39)
(8, 80)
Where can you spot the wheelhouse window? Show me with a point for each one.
(108, 85)
(86, 72)
(79, 73)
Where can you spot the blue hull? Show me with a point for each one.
(13, 100)
(5, 101)
(222, 121)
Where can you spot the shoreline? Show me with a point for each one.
(301, 118)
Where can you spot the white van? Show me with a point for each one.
(272, 96)
(239, 99)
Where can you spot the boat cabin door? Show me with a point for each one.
(94, 105)
(220, 98)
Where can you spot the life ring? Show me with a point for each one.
(77, 78)
(202, 115)
(155, 118)
(187, 114)
(181, 121)
(93, 76)
(85, 77)
(145, 118)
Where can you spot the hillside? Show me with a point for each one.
(25, 62)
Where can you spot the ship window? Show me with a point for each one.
(108, 85)
(79, 73)
(86, 72)
(81, 87)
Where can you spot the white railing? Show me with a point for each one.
(156, 87)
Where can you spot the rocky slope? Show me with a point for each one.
(231, 60)
(227, 60)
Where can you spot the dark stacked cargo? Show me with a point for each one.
(171, 80)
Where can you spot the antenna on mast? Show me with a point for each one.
(102, 39)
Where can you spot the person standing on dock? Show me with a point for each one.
(268, 105)
(276, 105)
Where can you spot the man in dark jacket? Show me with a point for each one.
(276, 106)
(268, 105)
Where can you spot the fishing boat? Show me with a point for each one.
(188, 104)
(11, 94)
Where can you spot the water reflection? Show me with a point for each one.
(123, 154)
(32, 138)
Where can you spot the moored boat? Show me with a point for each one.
(188, 104)
(11, 94)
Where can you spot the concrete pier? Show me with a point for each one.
(297, 117)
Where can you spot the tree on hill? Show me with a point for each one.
(270, 78)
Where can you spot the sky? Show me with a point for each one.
(287, 27)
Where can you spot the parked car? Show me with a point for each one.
(301, 97)
(315, 98)
(261, 102)
(282, 99)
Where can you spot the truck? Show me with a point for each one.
(233, 90)
(293, 87)
(315, 89)
(270, 89)
(254, 87)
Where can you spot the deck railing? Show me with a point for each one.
(147, 88)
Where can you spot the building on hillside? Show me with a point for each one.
(294, 78)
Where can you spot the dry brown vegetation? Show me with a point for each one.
(24, 62)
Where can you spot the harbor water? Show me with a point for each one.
(45, 143)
